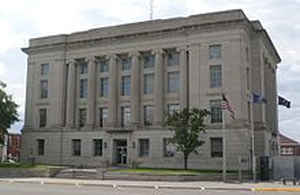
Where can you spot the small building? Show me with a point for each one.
(13, 146)
(288, 146)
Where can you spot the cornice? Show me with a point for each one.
(45, 48)
(119, 39)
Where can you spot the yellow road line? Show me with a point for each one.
(277, 189)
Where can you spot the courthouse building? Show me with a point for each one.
(99, 97)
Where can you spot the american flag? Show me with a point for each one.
(226, 106)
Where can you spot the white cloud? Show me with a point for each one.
(8, 38)
(2, 69)
(295, 68)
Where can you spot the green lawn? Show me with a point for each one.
(165, 171)
(28, 166)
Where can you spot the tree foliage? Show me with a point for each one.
(187, 125)
(8, 111)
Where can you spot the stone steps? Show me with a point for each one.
(102, 174)
(78, 174)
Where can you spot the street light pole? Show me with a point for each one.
(252, 144)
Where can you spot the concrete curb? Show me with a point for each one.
(150, 186)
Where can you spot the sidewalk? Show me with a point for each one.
(275, 186)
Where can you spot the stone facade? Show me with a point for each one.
(248, 62)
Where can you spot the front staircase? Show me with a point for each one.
(80, 174)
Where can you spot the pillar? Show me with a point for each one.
(135, 89)
(159, 88)
(183, 67)
(91, 114)
(29, 95)
(113, 92)
(71, 94)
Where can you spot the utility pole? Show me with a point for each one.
(224, 146)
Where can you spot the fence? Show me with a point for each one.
(286, 167)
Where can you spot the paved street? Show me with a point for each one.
(54, 189)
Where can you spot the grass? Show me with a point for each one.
(167, 171)
(25, 166)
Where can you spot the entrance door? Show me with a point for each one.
(120, 151)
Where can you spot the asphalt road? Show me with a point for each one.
(51, 189)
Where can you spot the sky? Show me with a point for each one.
(21, 20)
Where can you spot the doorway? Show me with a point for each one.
(120, 151)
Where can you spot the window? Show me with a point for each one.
(172, 57)
(173, 82)
(126, 64)
(173, 108)
(82, 117)
(76, 147)
(104, 87)
(103, 116)
(149, 60)
(216, 145)
(143, 147)
(125, 86)
(169, 148)
(125, 116)
(83, 88)
(215, 52)
(215, 76)
(44, 89)
(216, 111)
(97, 147)
(247, 54)
(83, 66)
(43, 117)
(285, 150)
(148, 83)
(103, 64)
(41, 147)
(44, 69)
(148, 115)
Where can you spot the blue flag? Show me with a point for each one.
(258, 99)
(282, 101)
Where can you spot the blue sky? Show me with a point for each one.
(21, 20)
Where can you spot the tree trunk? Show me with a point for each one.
(185, 161)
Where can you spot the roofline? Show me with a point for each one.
(146, 21)
(272, 45)
(287, 137)
(133, 27)
(264, 32)
(237, 14)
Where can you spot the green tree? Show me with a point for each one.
(8, 111)
(187, 125)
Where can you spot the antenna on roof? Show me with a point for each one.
(151, 9)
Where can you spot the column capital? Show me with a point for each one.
(158, 51)
(112, 56)
(134, 53)
(182, 48)
(90, 59)
(70, 61)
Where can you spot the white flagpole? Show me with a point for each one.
(252, 143)
(224, 144)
